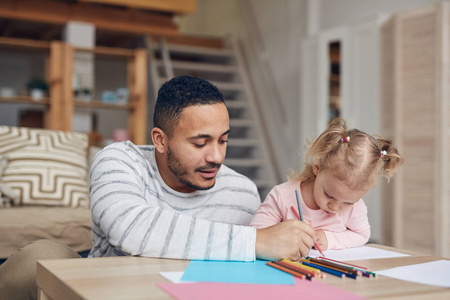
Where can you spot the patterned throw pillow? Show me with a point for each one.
(45, 167)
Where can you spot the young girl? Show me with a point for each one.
(341, 166)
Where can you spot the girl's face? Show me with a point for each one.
(331, 194)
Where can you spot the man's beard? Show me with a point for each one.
(180, 172)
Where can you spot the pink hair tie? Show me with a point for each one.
(383, 153)
(345, 139)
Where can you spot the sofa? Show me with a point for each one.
(44, 188)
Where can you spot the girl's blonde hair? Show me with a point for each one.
(353, 156)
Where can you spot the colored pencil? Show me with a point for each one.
(325, 269)
(295, 213)
(316, 271)
(363, 270)
(297, 268)
(352, 274)
(279, 263)
(281, 268)
(334, 265)
(299, 206)
(300, 217)
(343, 263)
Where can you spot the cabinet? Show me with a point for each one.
(60, 105)
(358, 88)
(415, 86)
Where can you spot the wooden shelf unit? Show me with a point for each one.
(25, 100)
(137, 85)
(24, 43)
(100, 104)
(61, 103)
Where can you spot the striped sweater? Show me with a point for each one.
(135, 213)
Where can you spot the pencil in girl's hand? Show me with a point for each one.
(300, 217)
(320, 249)
(295, 212)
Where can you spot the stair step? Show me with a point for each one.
(192, 40)
(200, 50)
(194, 66)
(236, 103)
(241, 123)
(244, 162)
(243, 142)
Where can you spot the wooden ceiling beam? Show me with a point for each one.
(115, 19)
(172, 6)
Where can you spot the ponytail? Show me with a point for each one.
(390, 157)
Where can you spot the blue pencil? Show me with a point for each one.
(299, 207)
(325, 269)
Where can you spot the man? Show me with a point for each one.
(174, 199)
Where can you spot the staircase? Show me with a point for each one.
(247, 151)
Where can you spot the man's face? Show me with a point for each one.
(197, 148)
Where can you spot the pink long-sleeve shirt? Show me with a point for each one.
(343, 230)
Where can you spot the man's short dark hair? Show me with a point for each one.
(179, 93)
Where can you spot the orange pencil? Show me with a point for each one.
(297, 268)
(300, 218)
(287, 270)
(317, 272)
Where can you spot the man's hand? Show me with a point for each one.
(321, 239)
(291, 240)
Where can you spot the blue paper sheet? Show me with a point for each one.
(257, 272)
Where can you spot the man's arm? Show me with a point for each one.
(129, 218)
(290, 239)
(278, 239)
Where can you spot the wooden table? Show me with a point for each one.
(136, 278)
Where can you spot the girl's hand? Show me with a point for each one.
(321, 239)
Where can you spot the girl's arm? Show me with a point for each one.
(357, 233)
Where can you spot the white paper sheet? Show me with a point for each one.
(174, 277)
(433, 273)
(356, 253)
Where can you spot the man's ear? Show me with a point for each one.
(160, 140)
(315, 169)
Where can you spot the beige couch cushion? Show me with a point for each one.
(21, 225)
(45, 167)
